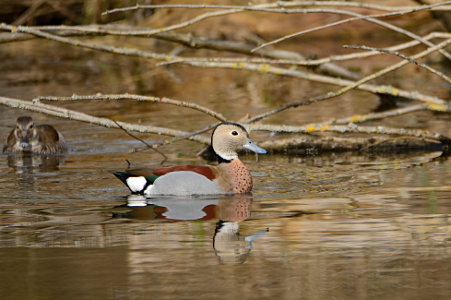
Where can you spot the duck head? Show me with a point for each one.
(25, 132)
(227, 138)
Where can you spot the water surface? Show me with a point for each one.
(332, 226)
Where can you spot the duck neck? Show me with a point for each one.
(222, 160)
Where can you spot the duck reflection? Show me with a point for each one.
(171, 209)
(229, 245)
(26, 162)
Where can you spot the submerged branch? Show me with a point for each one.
(314, 144)
(349, 128)
(389, 113)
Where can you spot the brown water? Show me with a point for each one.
(337, 226)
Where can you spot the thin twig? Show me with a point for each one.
(409, 59)
(193, 133)
(176, 139)
(28, 14)
(383, 115)
(398, 47)
(165, 158)
(394, 67)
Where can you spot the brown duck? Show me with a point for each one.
(40, 139)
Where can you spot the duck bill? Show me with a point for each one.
(24, 143)
(251, 146)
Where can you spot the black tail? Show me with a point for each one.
(121, 175)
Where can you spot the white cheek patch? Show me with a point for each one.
(136, 184)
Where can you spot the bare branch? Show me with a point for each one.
(281, 4)
(278, 56)
(380, 89)
(394, 67)
(372, 19)
(78, 43)
(261, 65)
(188, 40)
(266, 8)
(78, 116)
(311, 62)
(259, 68)
(349, 128)
(354, 85)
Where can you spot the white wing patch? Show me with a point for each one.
(136, 184)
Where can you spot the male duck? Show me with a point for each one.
(41, 139)
(230, 176)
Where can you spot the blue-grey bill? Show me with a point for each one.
(251, 146)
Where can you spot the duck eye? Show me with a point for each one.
(234, 133)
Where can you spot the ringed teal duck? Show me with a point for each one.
(40, 139)
(230, 176)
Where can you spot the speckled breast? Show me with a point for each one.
(240, 177)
